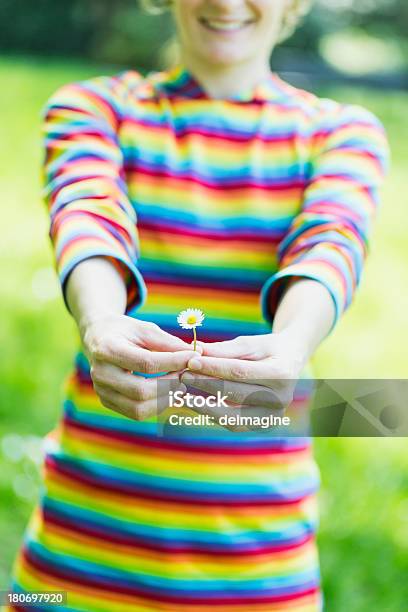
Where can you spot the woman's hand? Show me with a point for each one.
(258, 371)
(116, 346)
(262, 371)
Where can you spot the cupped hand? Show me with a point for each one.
(116, 347)
(258, 372)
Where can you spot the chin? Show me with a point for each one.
(223, 57)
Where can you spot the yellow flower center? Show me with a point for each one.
(192, 320)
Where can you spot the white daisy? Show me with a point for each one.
(190, 318)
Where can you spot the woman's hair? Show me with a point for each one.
(296, 11)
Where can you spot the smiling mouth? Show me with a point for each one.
(231, 25)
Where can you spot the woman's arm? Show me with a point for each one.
(117, 345)
(329, 239)
(95, 289)
(305, 314)
(261, 372)
(84, 182)
(94, 234)
(320, 262)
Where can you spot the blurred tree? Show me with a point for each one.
(115, 31)
(118, 31)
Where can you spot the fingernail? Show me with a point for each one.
(183, 388)
(194, 364)
(187, 375)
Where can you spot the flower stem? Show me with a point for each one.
(195, 338)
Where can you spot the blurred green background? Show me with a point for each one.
(354, 54)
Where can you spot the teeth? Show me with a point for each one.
(220, 25)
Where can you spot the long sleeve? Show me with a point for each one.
(328, 240)
(84, 184)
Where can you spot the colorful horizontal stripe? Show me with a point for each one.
(213, 204)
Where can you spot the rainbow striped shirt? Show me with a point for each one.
(214, 204)
(210, 201)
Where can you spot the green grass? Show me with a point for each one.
(364, 508)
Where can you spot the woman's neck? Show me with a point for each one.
(226, 80)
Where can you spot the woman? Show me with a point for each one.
(212, 184)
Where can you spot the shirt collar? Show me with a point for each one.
(180, 82)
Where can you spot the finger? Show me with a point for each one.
(242, 394)
(156, 339)
(240, 370)
(135, 410)
(134, 387)
(237, 348)
(136, 359)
